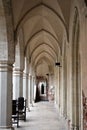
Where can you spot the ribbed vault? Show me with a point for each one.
(43, 23)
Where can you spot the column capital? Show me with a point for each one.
(29, 75)
(17, 71)
(33, 76)
(25, 75)
(5, 66)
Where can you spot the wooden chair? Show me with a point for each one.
(22, 108)
(15, 114)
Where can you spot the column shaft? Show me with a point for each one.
(25, 87)
(17, 83)
(5, 96)
(28, 100)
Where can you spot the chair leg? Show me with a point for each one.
(17, 121)
(25, 117)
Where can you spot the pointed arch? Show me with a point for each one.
(38, 32)
(41, 45)
(46, 6)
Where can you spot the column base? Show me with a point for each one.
(28, 109)
(7, 128)
(32, 103)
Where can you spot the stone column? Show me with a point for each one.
(51, 86)
(57, 86)
(60, 91)
(17, 83)
(29, 99)
(64, 72)
(76, 78)
(25, 87)
(5, 96)
(32, 89)
(75, 107)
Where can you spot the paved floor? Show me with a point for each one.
(43, 116)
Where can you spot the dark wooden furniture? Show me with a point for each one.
(15, 113)
(22, 108)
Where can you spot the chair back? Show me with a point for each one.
(14, 105)
(20, 103)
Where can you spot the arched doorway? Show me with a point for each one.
(41, 89)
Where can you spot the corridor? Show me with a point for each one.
(43, 56)
(43, 116)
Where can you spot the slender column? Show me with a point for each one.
(65, 85)
(29, 97)
(76, 103)
(60, 91)
(57, 86)
(32, 89)
(55, 91)
(75, 107)
(50, 81)
(25, 86)
(51, 87)
(58, 80)
(65, 97)
(5, 96)
(17, 83)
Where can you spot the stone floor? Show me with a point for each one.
(43, 116)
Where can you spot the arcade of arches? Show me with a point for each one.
(34, 35)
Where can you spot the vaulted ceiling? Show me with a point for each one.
(43, 23)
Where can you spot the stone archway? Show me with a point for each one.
(41, 89)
